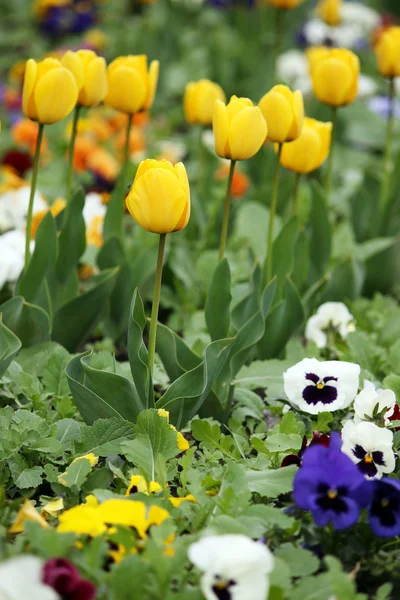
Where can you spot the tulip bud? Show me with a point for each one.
(388, 52)
(285, 3)
(283, 111)
(159, 199)
(334, 74)
(330, 11)
(131, 85)
(239, 128)
(90, 72)
(50, 91)
(310, 149)
(199, 100)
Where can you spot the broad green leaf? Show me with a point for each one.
(76, 474)
(320, 242)
(264, 374)
(283, 255)
(246, 308)
(47, 542)
(316, 587)
(281, 442)
(104, 437)
(30, 323)
(280, 578)
(252, 226)
(270, 516)
(101, 394)
(301, 562)
(301, 260)
(113, 221)
(271, 483)
(131, 578)
(345, 283)
(175, 355)
(218, 302)
(138, 354)
(74, 321)
(72, 238)
(53, 374)
(9, 346)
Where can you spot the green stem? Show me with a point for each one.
(295, 203)
(280, 31)
(71, 153)
(32, 193)
(385, 186)
(329, 166)
(156, 303)
(128, 137)
(225, 219)
(272, 211)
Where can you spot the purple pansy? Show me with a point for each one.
(65, 579)
(384, 509)
(330, 486)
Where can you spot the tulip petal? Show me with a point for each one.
(332, 81)
(28, 105)
(55, 95)
(325, 134)
(247, 133)
(298, 116)
(182, 176)
(300, 156)
(278, 114)
(220, 128)
(95, 87)
(72, 62)
(126, 90)
(152, 81)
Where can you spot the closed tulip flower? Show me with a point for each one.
(311, 148)
(334, 74)
(388, 52)
(285, 3)
(90, 72)
(131, 84)
(159, 199)
(283, 111)
(50, 91)
(239, 128)
(330, 11)
(199, 100)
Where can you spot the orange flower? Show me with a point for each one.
(240, 181)
(103, 163)
(137, 142)
(84, 147)
(55, 209)
(25, 132)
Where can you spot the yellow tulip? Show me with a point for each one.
(334, 74)
(199, 100)
(90, 72)
(388, 52)
(50, 91)
(311, 148)
(159, 199)
(131, 85)
(285, 3)
(283, 111)
(330, 11)
(239, 128)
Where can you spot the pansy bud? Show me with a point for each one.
(388, 52)
(334, 75)
(131, 85)
(283, 111)
(90, 72)
(311, 148)
(199, 100)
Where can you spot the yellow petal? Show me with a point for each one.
(183, 444)
(236, 105)
(92, 458)
(27, 512)
(278, 113)
(55, 95)
(126, 90)
(298, 116)
(83, 520)
(332, 81)
(176, 502)
(220, 128)
(157, 515)
(163, 413)
(152, 84)
(95, 86)
(28, 105)
(300, 156)
(53, 507)
(247, 133)
(72, 62)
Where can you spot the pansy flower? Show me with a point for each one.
(322, 439)
(330, 316)
(313, 386)
(370, 447)
(234, 567)
(370, 403)
(64, 578)
(384, 509)
(330, 486)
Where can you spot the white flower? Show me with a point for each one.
(367, 86)
(334, 315)
(173, 150)
(370, 447)
(356, 13)
(232, 565)
(93, 208)
(368, 400)
(14, 207)
(12, 253)
(21, 579)
(314, 386)
(293, 69)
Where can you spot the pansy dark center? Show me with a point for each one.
(332, 498)
(368, 460)
(221, 588)
(320, 390)
(385, 507)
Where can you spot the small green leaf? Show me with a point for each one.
(281, 442)
(104, 437)
(301, 562)
(9, 346)
(137, 352)
(271, 483)
(76, 474)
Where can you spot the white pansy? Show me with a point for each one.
(313, 386)
(356, 13)
(367, 86)
(293, 69)
(173, 150)
(369, 400)
(14, 207)
(234, 565)
(333, 315)
(12, 253)
(21, 579)
(93, 208)
(370, 447)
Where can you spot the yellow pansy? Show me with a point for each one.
(139, 484)
(27, 512)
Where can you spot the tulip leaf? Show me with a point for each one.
(281, 323)
(113, 221)
(186, 394)
(301, 260)
(218, 302)
(30, 323)
(246, 308)
(137, 352)
(100, 394)
(9, 346)
(283, 256)
(320, 241)
(72, 238)
(175, 355)
(74, 321)
(345, 283)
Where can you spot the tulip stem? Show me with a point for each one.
(71, 153)
(32, 194)
(295, 204)
(272, 212)
(385, 185)
(329, 166)
(225, 218)
(126, 149)
(156, 304)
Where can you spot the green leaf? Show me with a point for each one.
(301, 562)
(270, 516)
(283, 255)
(48, 542)
(131, 578)
(345, 283)
(76, 474)
(104, 437)
(251, 226)
(175, 355)
(279, 578)
(74, 321)
(370, 248)
(101, 394)
(72, 238)
(281, 442)
(218, 302)
(204, 432)
(138, 354)
(153, 438)
(264, 374)
(320, 242)
(53, 374)
(363, 351)
(9, 346)
(113, 221)
(30, 323)
(271, 483)
(312, 588)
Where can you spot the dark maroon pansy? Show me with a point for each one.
(321, 439)
(18, 160)
(65, 579)
(396, 415)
